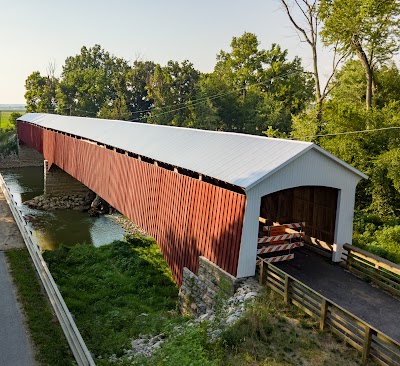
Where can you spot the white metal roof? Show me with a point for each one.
(235, 158)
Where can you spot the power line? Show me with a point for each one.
(350, 132)
(215, 96)
(188, 103)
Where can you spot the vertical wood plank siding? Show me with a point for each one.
(187, 217)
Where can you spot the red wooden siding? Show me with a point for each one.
(187, 217)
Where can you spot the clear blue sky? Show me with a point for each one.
(34, 33)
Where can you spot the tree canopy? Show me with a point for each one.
(367, 29)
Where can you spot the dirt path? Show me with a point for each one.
(10, 237)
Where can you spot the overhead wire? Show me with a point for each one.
(191, 103)
(349, 132)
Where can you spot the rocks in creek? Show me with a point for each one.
(129, 226)
(75, 202)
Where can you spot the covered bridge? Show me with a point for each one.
(201, 193)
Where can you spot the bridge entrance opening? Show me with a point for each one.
(292, 217)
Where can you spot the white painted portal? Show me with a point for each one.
(313, 168)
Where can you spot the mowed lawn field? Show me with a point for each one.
(5, 118)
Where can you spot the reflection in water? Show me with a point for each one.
(59, 227)
(24, 183)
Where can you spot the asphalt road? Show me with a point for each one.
(15, 348)
(367, 302)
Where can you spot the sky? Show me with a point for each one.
(34, 34)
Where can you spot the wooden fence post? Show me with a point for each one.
(349, 260)
(261, 277)
(286, 294)
(367, 344)
(324, 310)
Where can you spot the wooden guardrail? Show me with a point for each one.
(72, 334)
(368, 340)
(383, 273)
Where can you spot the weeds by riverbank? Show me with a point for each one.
(115, 292)
(50, 344)
(8, 143)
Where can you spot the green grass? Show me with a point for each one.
(271, 333)
(5, 119)
(50, 344)
(125, 289)
(115, 292)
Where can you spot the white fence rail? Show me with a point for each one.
(74, 338)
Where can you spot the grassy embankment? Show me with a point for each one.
(50, 344)
(5, 115)
(125, 289)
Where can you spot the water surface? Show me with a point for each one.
(58, 227)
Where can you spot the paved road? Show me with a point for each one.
(15, 348)
(369, 303)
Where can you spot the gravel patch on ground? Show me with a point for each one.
(10, 237)
(129, 226)
(232, 310)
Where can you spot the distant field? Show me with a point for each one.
(5, 117)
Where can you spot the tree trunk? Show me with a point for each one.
(368, 93)
(369, 73)
(318, 97)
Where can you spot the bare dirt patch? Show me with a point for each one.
(10, 237)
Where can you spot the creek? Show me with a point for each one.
(54, 228)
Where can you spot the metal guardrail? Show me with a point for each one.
(74, 338)
(369, 341)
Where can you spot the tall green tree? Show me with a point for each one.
(373, 152)
(172, 88)
(40, 93)
(137, 80)
(259, 87)
(305, 17)
(367, 29)
(90, 80)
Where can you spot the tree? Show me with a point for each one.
(367, 29)
(138, 78)
(305, 17)
(243, 66)
(115, 109)
(260, 88)
(40, 93)
(90, 80)
(376, 152)
(13, 118)
(172, 88)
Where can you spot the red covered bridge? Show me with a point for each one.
(201, 193)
